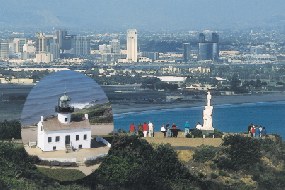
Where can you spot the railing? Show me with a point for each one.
(101, 139)
(32, 143)
(95, 157)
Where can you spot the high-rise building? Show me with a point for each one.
(202, 38)
(4, 50)
(208, 50)
(115, 45)
(18, 44)
(215, 46)
(80, 45)
(186, 52)
(43, 42)
(215, 37)
(132, 45)
(60, 36)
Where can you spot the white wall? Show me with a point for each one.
(48, 146)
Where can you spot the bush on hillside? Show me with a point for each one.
(240, 153)
(10, 129)
(204, 153)
(133, 162)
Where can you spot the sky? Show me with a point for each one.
(143, 14)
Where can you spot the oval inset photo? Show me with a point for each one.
(65, 121)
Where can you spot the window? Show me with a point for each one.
(80, 146)
(77, 137)
(49, 139)
(57, 138)
(65, 119)
(85, 137)
(54, 148)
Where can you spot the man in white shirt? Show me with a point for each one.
(150, 129)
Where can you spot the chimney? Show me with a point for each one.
(42, 118)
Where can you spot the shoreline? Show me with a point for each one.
(119, 109)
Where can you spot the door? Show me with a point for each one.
(67, 139)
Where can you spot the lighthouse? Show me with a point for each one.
(61, 132)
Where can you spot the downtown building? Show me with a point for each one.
(132, 45)
(208, 50)
(4, 50)
(80, 45)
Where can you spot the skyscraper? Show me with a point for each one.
(186, 52)
(115, 45)
(4, 50)
(80, 45)
(132, 45)
(18, 44)
(60, 36)
(208, 50)
(215, 46)
(202, 38)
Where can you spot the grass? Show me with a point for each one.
(62, 174)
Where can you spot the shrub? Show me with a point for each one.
(62, 174)
(196, 132)
(241, 152)
(133, 162)
(10, 129)
(204, 153)
(214, 175)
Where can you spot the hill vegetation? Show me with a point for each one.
(132, 163)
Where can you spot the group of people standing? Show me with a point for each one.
(256, 131)
(143, 130)
(147, 130)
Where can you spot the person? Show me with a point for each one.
(145, 129)
(150, 129)
(253, 131)
(140, 130)
(186, 128)
(174, 130)
(199, 126)
(132, 129)
(257, 131)
(163, 130)
(263, 132)
(260, 131)
(249, 130)
(169, 133)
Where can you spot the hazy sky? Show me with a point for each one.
(143, 14)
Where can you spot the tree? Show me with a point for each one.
(134, 163)
(241, 152)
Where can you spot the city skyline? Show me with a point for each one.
(143, 15)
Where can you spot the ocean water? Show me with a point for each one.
(43, 98)
(226, 118)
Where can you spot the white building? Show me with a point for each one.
(44, 58)
(132, 45)
(61, 133)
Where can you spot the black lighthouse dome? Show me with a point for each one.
(64, 105)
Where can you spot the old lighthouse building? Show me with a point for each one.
(61, 133)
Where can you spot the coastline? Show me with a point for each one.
(217, 100)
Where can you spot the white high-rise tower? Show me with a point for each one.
(132, 45)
